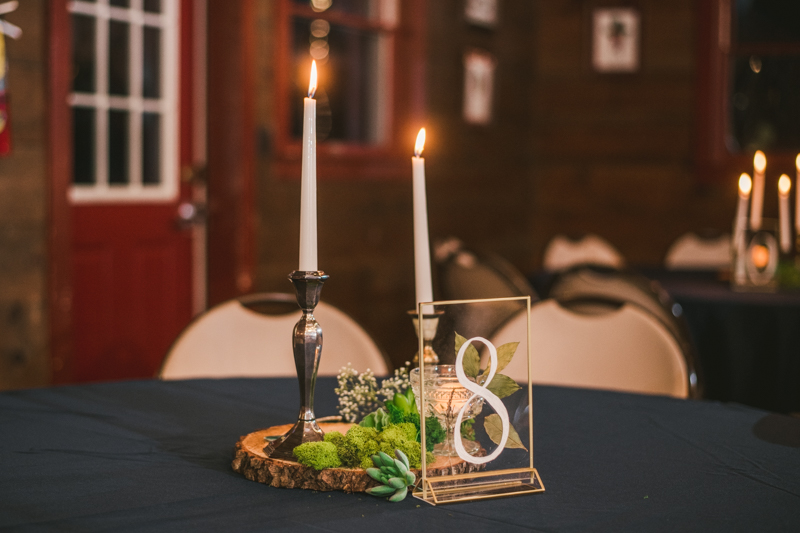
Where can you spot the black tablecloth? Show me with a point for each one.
(748, 344)
(155, 456)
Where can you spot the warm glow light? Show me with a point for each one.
(745, 185)
(760, 256)
(797, 162)
(420, 143)
(312, 83)
(760, 161)
(784, 184)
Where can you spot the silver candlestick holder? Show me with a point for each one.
(430, 323)
(307, 348)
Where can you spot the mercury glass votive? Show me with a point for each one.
(444, 398)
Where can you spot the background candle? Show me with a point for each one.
(745, 186)
(757, 205)
(797, 196)
(308, 181)
(422, 252)
(784, 184)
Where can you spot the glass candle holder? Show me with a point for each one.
(444, 398)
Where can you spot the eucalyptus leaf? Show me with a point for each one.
(502, 386)
(494, 428)
(472, 360)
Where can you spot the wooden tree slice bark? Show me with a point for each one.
(250, 460)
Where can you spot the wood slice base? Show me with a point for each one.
(250, 460)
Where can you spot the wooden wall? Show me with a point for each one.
(24, 359)
(614, 153)
(570, 151)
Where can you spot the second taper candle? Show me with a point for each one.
(308, 181)
(422, 251)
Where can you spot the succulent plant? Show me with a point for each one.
(393, 473)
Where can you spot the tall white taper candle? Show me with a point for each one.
(784, 184)
(422, 251)
(308, 182)
(757, 205)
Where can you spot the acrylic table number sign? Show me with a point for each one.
(486, 415)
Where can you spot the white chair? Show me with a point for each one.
(692, 252)
(234, 339)
(562, 253)
(625, 350)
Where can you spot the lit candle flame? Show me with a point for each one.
(312, 83)
(745, 185)
(797, 162)
(420, 144)
(760, 161)
(784, 184)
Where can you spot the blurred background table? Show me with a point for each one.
(748, 343)
(155, 456)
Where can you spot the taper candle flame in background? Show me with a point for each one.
(308, 182)
(784, 185)
(422, 251)
(757, 205)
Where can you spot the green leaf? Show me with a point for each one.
(502, 386)
(472, 359)
(505, 354)
(381, 490)
(494, 428)
(374, 473)
(399, 495)
(397, 482)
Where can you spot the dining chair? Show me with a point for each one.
(694, 252)
(252, 336)
(465, 275)
(562, 253)
(624, 349)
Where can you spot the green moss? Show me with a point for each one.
(318, 455)
(334, 437)
(359, 443)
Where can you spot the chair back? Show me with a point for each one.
(563, 253)
(693, 252)
(466, 275)
(625, 349)
(252, 336)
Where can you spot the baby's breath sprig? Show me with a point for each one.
(359, 394)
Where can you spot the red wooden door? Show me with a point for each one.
(132, 262)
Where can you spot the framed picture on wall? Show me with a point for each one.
(479, 67)
(481, 12)
(616, 39)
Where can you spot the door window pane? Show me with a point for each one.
(83, 54)
(83, 133)
(151, 78)
(118, 54)
(152, 6)
(766, 102)
(117, 147)
(151, 135)
(349, 100)
(120, 3)
(767, 21)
